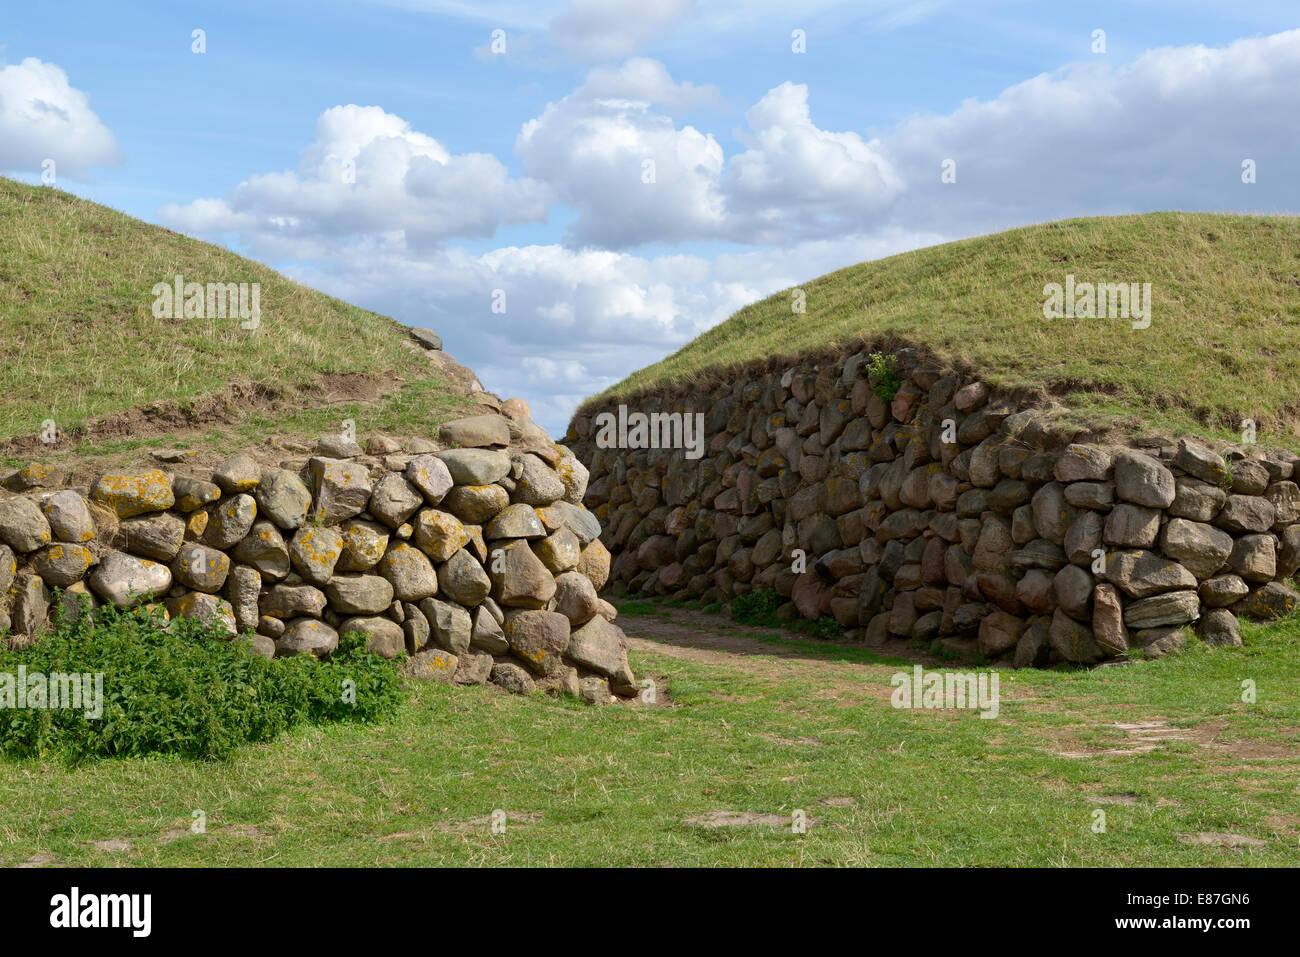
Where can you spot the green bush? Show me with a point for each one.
(182, 689)
(757, 607)
(883, 376)
(825, 627)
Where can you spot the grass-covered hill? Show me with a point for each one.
(1223, 343)
(80, 344)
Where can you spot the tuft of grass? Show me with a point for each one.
(1223, 344)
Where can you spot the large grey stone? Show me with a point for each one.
(1140, 573)
(463, 579)
(200, 567)
(341, 489)
(384, 637)
(283, 498)
(1072, 639)
(450, 624)
(264, 548)
(158, 536)
(1202, 463)
(1131, 526)
(230, 520)
(394, 500)
(1164, 610)
(1143, 480)
(538, 638)
(429, 474)
(359, 594)
(475, 466)
(69, 517)
(22, 525)
(125, 580)
(599, 646)
(307, 636)
(409, 571)
(1200, 547)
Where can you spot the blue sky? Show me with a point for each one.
(522, 171)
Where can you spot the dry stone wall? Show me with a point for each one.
(479, 561)
(945, 514)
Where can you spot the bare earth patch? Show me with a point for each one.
(112, 844)
(743, 819)
(1217, 839)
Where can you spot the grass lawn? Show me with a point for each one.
(751, 725)
(1223, 343)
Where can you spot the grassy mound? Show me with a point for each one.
(176, 689)
(1223, 343)
(80, 340)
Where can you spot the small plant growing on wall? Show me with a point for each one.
(883, 376)
(758, 607)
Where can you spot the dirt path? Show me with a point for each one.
(713, 639)
(687, 633)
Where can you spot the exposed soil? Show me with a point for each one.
(743, 819)
(189, 420)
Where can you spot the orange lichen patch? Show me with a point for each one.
(61, 565)
(33, 474)
(552, 518)
(129, 495)
(363, 546)
(317, 548)
(433, 664)
(203, 561)
(196, 525)
(439, 534)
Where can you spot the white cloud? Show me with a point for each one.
(596, 147)
(367, 173)
(630, 174)
(795, 176)
(1168, 131)
(43, 117)
(645, 80)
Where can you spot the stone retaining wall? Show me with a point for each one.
(944, 514)
(478, 561)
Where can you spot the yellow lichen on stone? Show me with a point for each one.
(130, 495)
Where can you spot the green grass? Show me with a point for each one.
(81, 341)
(1223, 344)
(808, 727)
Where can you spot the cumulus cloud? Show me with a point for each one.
(43, 117)
(630, 174)
(367, 172)
(635, 177)
(795, 176)
(1169, 130)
